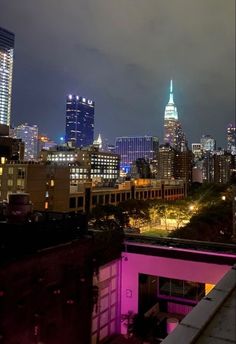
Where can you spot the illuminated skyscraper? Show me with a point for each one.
(173, 132)
(29, 135)
(79, 121)
(6, 68)
(231, 139)
(208, 143)
(132, 148)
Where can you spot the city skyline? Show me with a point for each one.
(129, 85)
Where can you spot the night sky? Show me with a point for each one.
(122, 54)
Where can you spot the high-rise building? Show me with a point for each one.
(6, 69)
(29, 135)
(132, 148)
(173, 132)
(166, 162)
(197, 151)
(231, 139)
(98, 142)
(208, 143)
(223, 163)
(141, 169)
(184, 165)
(79, 121)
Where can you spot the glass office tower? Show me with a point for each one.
(6, 69)
(79, 121)
(132, 148)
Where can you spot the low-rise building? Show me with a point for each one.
(49, 187)
(85, 164)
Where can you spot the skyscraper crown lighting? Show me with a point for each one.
(170, 109)
(79, 121)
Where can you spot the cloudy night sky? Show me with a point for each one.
(122, 54)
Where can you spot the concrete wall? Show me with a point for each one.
(134, 264)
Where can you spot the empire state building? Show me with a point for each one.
(173, 133)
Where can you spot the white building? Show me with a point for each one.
(29, 135)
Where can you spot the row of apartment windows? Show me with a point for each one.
(177, 191)
(10, 171)
(121, 197)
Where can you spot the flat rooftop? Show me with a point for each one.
(213, 320)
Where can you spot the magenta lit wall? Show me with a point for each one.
(133, 264)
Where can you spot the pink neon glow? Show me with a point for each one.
(133, 264)
(207, 253)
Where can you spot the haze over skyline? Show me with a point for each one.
(123, 55)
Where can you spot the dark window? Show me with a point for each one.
(137, 195)
(118, 197)
(141, 194)
(100, 199)
(80, 201)
(153, 193)
(145, 194)
(113, 198)
(94, 200)
(21, 173)
(123, 196)
(181, 289)
(72, 203)
(128, 195)
(106, 199)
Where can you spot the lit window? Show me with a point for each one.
(10, 170)
(10, 182)
(52, 182)
(46, 205)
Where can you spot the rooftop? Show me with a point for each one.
(212, 321)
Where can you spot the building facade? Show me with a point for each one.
(50, 188)
(231, 139)
(47, 185)
(197, 151)
(223, 163)
(11, 149)
(6, 69)
(132, 148)
(29, 135)
(166, 162)
(208, 143)
(183, 165)
(86, 164)
(79, 121)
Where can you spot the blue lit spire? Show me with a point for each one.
(171, 99)
(170, 109)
